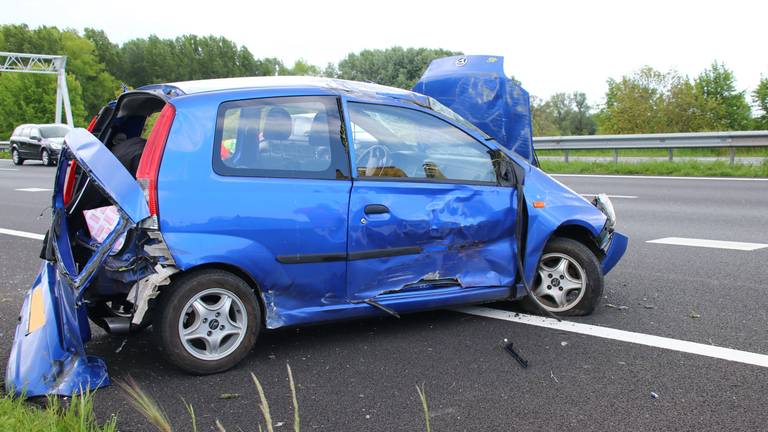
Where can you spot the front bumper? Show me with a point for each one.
(616, 246)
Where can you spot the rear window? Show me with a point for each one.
(288, 137)
(54, 131)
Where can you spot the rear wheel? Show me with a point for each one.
(45, 156)
(207, 322)
(16, 157)
(569, 280)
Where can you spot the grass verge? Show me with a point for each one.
(5, 155)
(16, 414)
(665, 168)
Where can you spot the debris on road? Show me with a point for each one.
(511, 350)
(552, 375)
(648, 306)
(619, 307)
(563, 343)
(654, 395)
(695, 315)
(120, 348)
(226, 396)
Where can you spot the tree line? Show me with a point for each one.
(643, 102)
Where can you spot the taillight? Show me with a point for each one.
(92, 123)
(69, 182)
(149, 165)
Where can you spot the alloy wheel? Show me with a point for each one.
(562, 282)
(213, 324)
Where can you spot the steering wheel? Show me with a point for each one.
(375, 159)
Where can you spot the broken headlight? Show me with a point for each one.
(603, 203)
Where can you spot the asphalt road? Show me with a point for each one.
(362, 375)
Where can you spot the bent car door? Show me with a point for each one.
(426, 215)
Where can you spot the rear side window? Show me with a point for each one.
(288, 137)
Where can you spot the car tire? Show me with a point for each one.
(45, 156)
(16, 157)
(196, 327)
(569, 281)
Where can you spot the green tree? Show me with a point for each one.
(301, 67)
(396, 66)
(760, 97)
(543, 118)
(726, 107)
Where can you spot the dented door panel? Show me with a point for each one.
(434, 235)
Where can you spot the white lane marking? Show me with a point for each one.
(21, 234)
(612, 196)
(716, 244)
(622, 335)
(33, 189)
(8, 169)
(662, 177)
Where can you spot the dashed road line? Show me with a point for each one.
(23, 234)
(612, 196)
(33, 189)
(712, 351)
(715, 244)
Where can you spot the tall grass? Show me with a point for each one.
(155, 415)
(76, 415)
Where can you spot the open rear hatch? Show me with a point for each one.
(48, 355)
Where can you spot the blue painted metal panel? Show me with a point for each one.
(464, 232)
(52, 359)
(476, 88)
(104, 168)
(615, 251)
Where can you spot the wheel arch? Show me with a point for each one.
(580, 234)
(229, 268)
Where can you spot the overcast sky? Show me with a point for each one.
(550, 46)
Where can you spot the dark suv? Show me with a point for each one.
(38, 142)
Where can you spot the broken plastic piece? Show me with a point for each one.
(511, 350)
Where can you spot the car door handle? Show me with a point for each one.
(376, 209)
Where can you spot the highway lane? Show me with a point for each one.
(361, 375)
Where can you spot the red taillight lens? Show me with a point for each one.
(149, 165)
(92, 123)
(69, 182)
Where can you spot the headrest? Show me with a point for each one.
(318, 133)
(278, 125)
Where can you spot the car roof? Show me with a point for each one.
(357, 89)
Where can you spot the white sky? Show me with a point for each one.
(550, 46)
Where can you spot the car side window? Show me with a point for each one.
(395, 142)
(288, 137)
(34, 132)
(25, 132)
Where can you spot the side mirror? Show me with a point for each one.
(35, 138)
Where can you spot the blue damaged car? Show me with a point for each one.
(213, 210)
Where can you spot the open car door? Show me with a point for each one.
(48, 356)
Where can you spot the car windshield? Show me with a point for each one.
(444, 110)
(54, 131)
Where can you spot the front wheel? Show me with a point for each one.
(16, 157)
(207, 322)
(569, 280)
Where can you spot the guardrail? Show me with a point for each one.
(5, 145)
(669, 141)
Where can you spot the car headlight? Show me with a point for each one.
(605, 205)
(56, 146)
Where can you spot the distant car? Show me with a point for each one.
(213, 210)
(38, 142)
